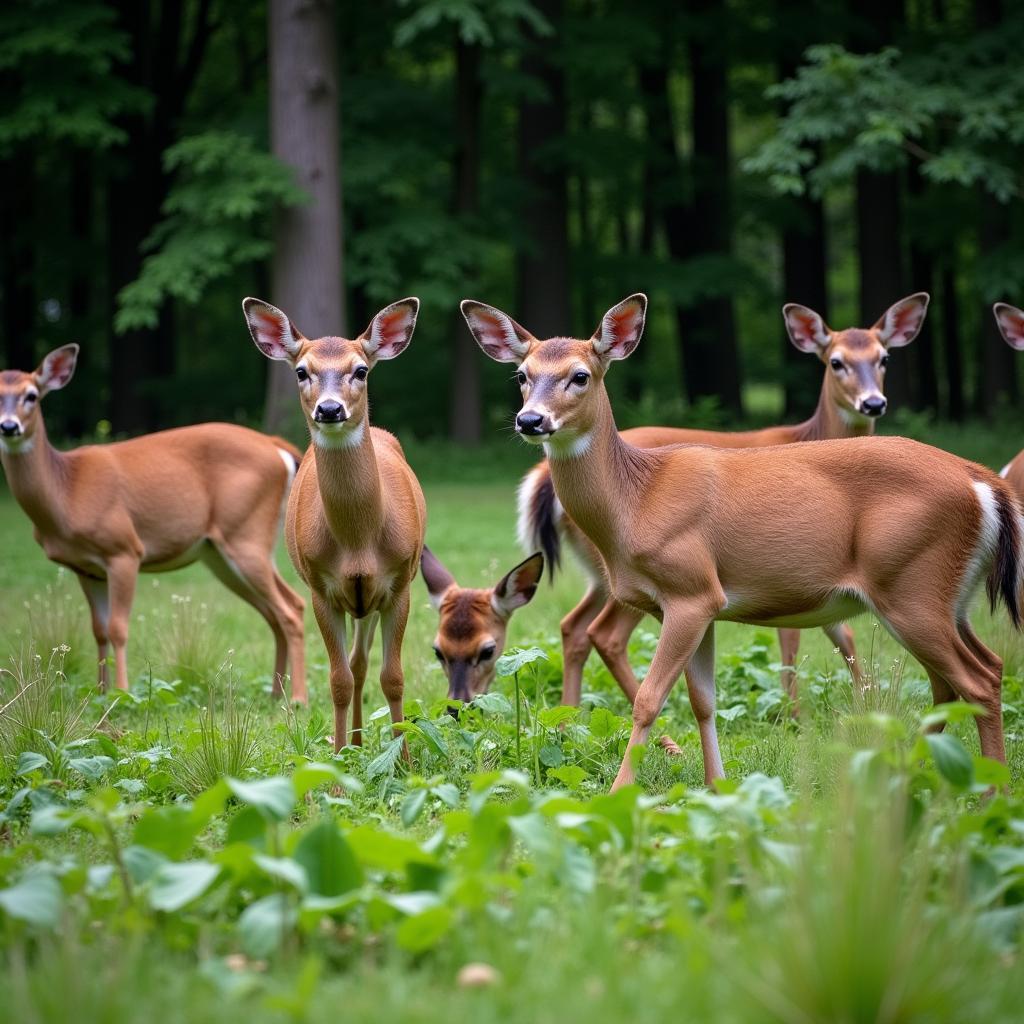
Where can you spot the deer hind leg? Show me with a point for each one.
(332, 628)
(392, 679)
(789, 645)
(576, 642)
(685, 628)
(842, 636)
(291, 612)
(248, 573)
(96, 593)
(610, 633)
(121, 576)
(359, 659)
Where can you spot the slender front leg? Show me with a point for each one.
(121, 576)
(683, 629)
(360, 660)
(97, 595)
(842, 636)
(610, 633)
(789, 644)
(392, 679)
(700, 684)
(332, 628)
(576, 642)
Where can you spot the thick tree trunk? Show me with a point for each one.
(542, 266)
(465, 394)
(307, 272)
(17, 256)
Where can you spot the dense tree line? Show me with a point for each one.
(162, 158)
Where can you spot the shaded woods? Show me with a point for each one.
(160, 160)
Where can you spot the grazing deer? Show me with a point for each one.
(472, 623)
(1011, 325)
(356, 516)
(852, 398)
(213, 492)
(796, 535)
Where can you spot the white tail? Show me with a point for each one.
(212, 492)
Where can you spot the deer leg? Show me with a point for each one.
(700, 685)
(121, 576)
(96, 593)
(576, 642)
(842, 636)
(684, 628)
(392, 679)
(360, 660)
(332, 628)
(610, 633)
(789, 644)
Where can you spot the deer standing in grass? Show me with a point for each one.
(795, 535)
(356, 516)
(1010, 320)
(213, 492)
(852, 398)
(472, 623)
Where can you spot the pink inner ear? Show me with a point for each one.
(1012, 324)
(392, 327)
(904, 320)
(492, 329)
(622, 324)
(805, 326)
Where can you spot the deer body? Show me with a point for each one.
(356, 517)
(850, 401)
(213, 492)
(795, 535)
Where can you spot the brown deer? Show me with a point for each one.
(472, 623)
(794, 535)
(1010, 320)
(852, 399)
(213, 492)
(356, 516)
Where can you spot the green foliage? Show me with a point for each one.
(217, 218)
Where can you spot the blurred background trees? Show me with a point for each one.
(159, 160)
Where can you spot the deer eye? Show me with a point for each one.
(487, 653)
(30, 397)
(884, 361)
(302, 373)
(580, 378)
(361, 372)
(439, 655)
(521, 377)
(836, 364)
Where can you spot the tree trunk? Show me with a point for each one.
(86, 411)
(920, 356)
(465, 394)
(16, 253)
(307, 271)
(542, 271)
(955, 404)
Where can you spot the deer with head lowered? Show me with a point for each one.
(852, 399)
(795, 535)
(356, 516)
(473, 622)
(213, 492)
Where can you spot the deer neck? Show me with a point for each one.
(350, 487)
(598, 478)
(36, 473)
(833, 421)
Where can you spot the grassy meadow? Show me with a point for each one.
(193, 850)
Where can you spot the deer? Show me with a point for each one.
(213, 492)
(1010, 321)
(851, 401)
(472, 623)
(356, 516)
(795, 535)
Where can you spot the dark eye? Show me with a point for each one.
(300, 372)
(361, 372)
(884, 361)
(521, 377)
(579, 378)
(30, 398)
(836, 364)
(439, 655)
(487, 653)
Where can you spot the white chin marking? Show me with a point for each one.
(339, 437)
(567, 448)
(17, 445)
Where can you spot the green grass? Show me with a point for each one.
(871, 882)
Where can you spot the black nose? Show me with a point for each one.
(330, 411)
(10, 428)
(873, 406)
(529, 423)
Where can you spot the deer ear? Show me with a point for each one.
(1010, 320)
(496, 333)
(620, 328)
(806, 329)
(273, 332)
(390, 331)
(56, 369)
(518, 587)
(437, 578)
(900, 323)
